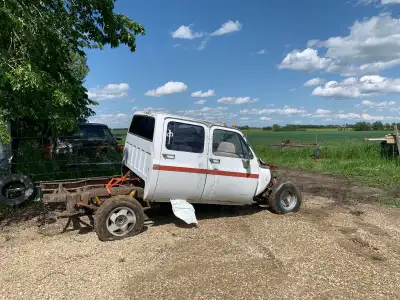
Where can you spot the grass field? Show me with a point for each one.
(342, 152)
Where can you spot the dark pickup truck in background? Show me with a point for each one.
(89, 139)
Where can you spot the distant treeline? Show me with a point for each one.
(359, 126)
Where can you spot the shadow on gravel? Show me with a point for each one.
(164, 215)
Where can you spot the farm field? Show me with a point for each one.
(342, 152)
(262, 138)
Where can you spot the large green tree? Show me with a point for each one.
(42, 58)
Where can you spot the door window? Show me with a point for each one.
(184, 137)
(229, 144)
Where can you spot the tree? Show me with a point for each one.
(362, 126)
(276, 127)
(378, 125)
(42, 58)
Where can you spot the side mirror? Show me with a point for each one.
(246, 163)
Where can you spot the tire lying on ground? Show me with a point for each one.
(19, 182)
(118, 217)
(285, 198)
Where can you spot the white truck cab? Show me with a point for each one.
(201, 162)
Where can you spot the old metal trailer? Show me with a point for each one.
(389, 143)
(85, 197)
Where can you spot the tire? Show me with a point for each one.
(283, 206)
(27, 193)
(112, 223)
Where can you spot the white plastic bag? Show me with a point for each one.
(184, 210)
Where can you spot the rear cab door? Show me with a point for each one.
(232, 168)
(182, 161)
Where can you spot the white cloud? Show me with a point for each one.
(362, 117)
(245, 119)
(216, 114)
(383, 2)
(132, 100)
(228, 27)
(265, 119)
(112, 120)
(286, 110)
(169, 88)
(203, 43)
(185, 32)
(380, 106)
(320, 111)
(307, 60)
(314, 82)
(201, 102)
(359, 87)
(261, 52)
(292, 90)
(110, 91)
(236, 100)
(155, 109)
(372, 45)
(200, 94)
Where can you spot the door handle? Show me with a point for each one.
(214, 161)
(168, 156)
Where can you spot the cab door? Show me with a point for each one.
(183, 161)
(232, 168)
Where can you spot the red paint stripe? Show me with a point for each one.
(204, 171)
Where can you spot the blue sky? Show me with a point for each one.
(256, 62)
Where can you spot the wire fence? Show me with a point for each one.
(45, 159)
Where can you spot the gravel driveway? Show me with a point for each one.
(328, 250)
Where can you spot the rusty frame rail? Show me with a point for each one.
(87, 193)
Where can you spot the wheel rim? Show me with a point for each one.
(121, 221)
(288, 199)
(13, 190)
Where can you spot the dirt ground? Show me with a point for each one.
(334, 248)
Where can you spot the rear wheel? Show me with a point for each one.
(285, 198)
(119, 217)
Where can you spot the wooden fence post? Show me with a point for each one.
(396, 135)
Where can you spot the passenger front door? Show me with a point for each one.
(183, 161)
(232, 169)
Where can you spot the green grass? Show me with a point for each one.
(358, 161)
(390, 202)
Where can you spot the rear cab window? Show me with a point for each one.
(184, 137)
(142, 126)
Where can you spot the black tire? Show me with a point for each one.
(277, 204)
(7, 181)
(101, 218)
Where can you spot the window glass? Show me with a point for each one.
(184, 137)
(246, 149)
(108, 134)
(92, 132)
(142, 126)
(227, 143)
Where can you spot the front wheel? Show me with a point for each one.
(285, 198)
(119, 217)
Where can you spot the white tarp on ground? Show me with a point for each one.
(184, 211)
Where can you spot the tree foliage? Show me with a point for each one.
(42, 58)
